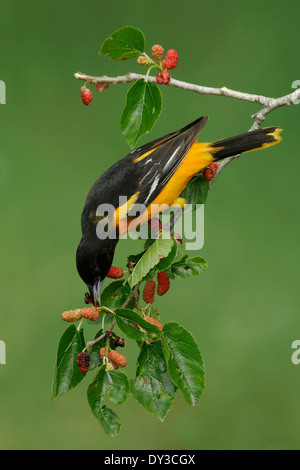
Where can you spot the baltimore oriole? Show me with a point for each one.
(151, 175)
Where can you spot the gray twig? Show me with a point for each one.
(268, 104)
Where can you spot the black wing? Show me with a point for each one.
(159, 166)
(148, 176)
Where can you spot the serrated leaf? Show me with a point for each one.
(125, 43)
(184, 361)
(110, 290)
(129, 330)
(143, 107)
(125, 318)
(96, 391)
(108, 419)
(166, 262)
(152, 386)
(196, 191)
(115, 294)
(119, 388)
(160, 248)
(188, 267)
(180, 255)
(67, 373)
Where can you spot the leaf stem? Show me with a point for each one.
(148, 71)
(103, 321)
(107, 310)
(79, 324)
(268, 104)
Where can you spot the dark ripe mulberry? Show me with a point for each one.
(83, 361)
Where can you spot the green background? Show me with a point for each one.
(243, 310)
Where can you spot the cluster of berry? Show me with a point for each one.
(91, 313)
(113, 359)
(168, 63)
(163, 285)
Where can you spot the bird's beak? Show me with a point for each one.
(97, 292)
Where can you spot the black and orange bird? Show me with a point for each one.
(152, 175)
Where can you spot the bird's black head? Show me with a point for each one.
(93, 260)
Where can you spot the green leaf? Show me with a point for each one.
(119, 388)
(180, 255)
(188, 267)
(108, 419)
(125, 317)
(96, 391)
(166, 262)
(179, 258)
(143, 107)
(184, 360)
(98, 387)
(125, 43)
(67, 373)
(129, 330)
(110, 290)
(152, 386)
(115, 294)
(160, 248)
(196, 191)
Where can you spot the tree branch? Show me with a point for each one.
(268, 104)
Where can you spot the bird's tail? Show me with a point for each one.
(247, 142)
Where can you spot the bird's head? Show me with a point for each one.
(93, 260)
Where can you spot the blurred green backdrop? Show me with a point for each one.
(243, 310)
